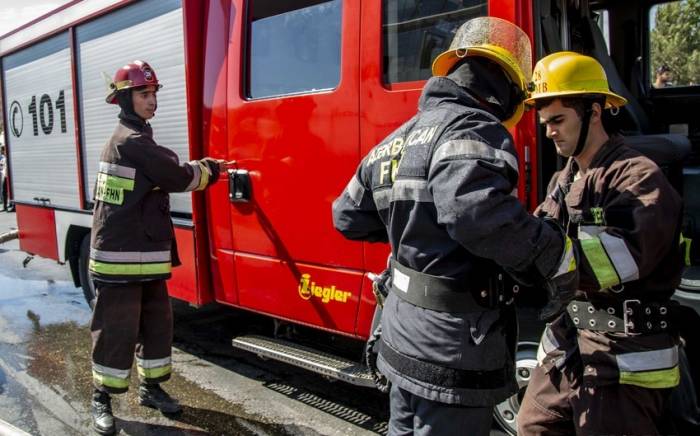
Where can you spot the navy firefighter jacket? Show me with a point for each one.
(441, 190)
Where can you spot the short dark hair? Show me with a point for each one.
(662, 69)
(579, 103)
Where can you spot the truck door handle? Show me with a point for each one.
(239, 190)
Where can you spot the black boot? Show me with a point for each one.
(152, 395)
(102, 418)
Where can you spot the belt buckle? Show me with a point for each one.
(627, 311)
(497, 292)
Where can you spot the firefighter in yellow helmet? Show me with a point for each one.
(608, 361)
(439, 190)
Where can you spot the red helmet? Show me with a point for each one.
(135, 74)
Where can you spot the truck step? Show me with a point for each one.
(308, 358)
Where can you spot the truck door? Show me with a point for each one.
(293, 132)
(400, 39)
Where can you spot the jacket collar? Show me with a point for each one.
(612, 144)
(132, 121)
(439, 91)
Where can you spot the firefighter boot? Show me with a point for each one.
(102, 418)
(152, 395)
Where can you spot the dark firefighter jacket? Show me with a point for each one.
(440, 189)
(132, 233)
(624, 218)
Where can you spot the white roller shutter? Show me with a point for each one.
(39, 105)
(108, 43)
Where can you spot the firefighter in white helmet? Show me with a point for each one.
(133, 249)
(439, 190)
(607, 363)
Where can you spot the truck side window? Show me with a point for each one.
(294, 46)
(414, 32)
(674, 44)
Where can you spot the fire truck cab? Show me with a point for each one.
(296, 92)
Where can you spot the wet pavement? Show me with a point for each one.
(45, 379)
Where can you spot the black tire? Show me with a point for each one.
(85, 280)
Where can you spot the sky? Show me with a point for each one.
(14, 13)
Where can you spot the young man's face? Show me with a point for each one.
(145, 101)
(563, 126)
(666, 77)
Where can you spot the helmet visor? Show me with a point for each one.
(492, 31)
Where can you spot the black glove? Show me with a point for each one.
(558, 297)
(562, 288)
(214, 169)
(381, 285)
(530, 277)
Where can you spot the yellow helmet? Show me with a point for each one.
(497, 40)
(565, 73)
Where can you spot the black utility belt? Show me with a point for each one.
(631, 317)
(451, 295)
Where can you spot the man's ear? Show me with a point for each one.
(597, 112)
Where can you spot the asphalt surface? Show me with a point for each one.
(45, 370)
(45, 379)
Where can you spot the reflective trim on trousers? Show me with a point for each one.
(113, 372)
(110, 377)
(654, 369)
(154, 372)
(153, 363)
(660, 379)
(648, 360)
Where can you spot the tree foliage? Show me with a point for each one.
(675, 40)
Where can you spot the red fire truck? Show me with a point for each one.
(296, 92)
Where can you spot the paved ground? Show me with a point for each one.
(45, 369)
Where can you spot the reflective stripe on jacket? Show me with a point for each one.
(624, 217)
(132, 233)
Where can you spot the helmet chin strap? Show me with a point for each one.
(583, 134)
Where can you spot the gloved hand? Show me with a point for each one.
(381, 285)
(214, 167)
(530, 277)
(561, 287)
(560, 292)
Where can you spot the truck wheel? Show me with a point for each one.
(85, 281)
(506, 412)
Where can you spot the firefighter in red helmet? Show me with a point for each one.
(133, 248)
